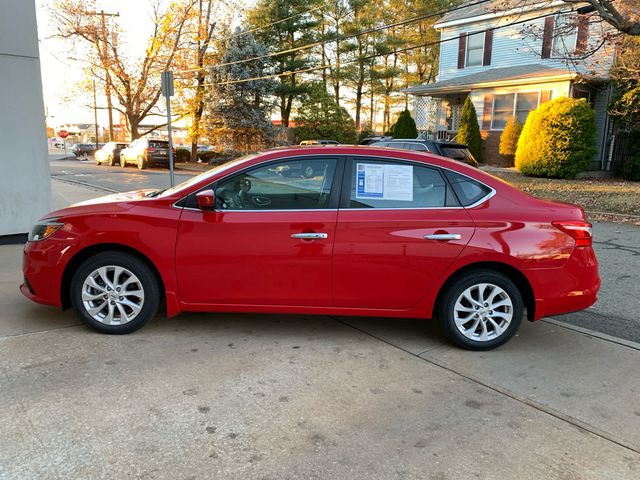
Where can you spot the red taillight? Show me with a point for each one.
(581, 232)
(149, 150)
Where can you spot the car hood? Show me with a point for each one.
(114, 203)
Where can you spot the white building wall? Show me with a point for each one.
(513, 45)
(25, 190)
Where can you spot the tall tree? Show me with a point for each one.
(285, 25)
(193, 58)
(239, 102)
(134, 82)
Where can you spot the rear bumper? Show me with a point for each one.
(568, 289)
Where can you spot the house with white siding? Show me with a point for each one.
(508, 57)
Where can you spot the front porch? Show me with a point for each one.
(437, 117)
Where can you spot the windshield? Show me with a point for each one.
(207, 174)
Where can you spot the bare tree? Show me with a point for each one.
(623, 15)
(134, 83)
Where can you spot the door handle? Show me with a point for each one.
(310, 236)
(443, 236)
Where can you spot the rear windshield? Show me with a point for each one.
(158, 144)
(457, 153)
(467, 190)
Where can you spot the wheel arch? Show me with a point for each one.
(90, 251)
(515, 275)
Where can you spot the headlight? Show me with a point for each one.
(43, 230)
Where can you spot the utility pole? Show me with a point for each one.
(95, 112)
(105, 63)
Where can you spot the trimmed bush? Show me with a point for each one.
(469, 130)
(405, 126)
(509, 139)
(630, 168)
(557, 139)
(182, 155)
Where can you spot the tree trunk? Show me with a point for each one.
(358, 104)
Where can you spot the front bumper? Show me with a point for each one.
(43, 267)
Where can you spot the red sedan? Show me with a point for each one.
(336, 230)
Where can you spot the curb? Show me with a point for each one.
(593, 333)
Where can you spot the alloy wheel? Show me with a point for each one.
(483, 312)
(112, 295)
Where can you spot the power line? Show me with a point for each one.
(255, 29)
(338, 38)
(394, 52)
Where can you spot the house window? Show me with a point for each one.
(513, 105)
(502, 110)
(475, 49)
(525, 102)
(565, 36)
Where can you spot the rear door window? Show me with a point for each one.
(387, 184)
(467, 190)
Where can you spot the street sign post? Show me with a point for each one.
(167, 91)
(64, 134)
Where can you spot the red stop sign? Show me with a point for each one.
(63, 134)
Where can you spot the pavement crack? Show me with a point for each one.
(508, 393)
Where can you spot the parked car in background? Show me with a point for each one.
(110, 153)
(379, 232)
(370, 140)
(456, 151)
(145, 152)
(319, 142)
(84, 150)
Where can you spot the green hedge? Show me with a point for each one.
(557, 139)
(182, 155)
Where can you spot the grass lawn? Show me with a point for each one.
(603, 198)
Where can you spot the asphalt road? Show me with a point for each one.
(617, 312)
(112, 178)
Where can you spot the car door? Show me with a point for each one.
(399, 227)
(268, 241)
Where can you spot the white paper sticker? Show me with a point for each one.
(384, 182)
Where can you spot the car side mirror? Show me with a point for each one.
(206, 199)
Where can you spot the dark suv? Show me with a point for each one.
(145, 152)
(84, 149)
(456, 151)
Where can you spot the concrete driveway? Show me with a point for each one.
(288, 397)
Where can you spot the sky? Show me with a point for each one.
(61, 74)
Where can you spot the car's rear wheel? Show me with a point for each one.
(123, 161)
(110, 161)
(98, 161)
(115, 292)
(481, 310)
(141, 163)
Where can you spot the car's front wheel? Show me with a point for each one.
(141, 163)
(115, 292)
(110, 161)
(123, 161)
(481, 310)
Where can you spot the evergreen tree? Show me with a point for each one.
(291, 25)
(509, 138)
(239, 112)
(321, 118)
(469, 130)
(405, 126)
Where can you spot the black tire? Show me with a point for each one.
(141, 163)
(123, 161)
(145, 277)
(98, 162)
(110, 161)
(447, 306)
